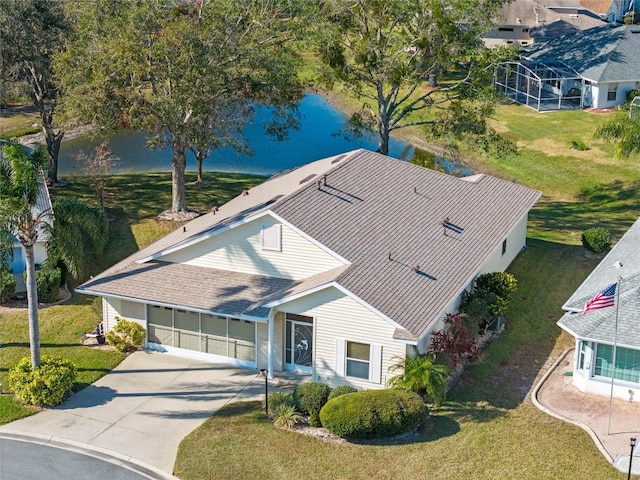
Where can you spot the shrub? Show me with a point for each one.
(454, 342)
(481, 308)
(286, 416)
(579, 145)
(45, 385)
(631, 94)
(596, 240)
(7, 285)
(126, 336)
(48, 283)
(503, 284)
(310, 397)
(279, 398)
(374, 413)
(341, 390)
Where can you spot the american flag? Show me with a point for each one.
(603, 299)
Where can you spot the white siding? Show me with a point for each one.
(240, 250)
(338, 316)
(601, 91)
(496, 262)
(114, 307)
(110, 312)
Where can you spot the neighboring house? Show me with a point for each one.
(523, 22)
(592, 68)
(18, 262)
(335, 268)
(595, 332)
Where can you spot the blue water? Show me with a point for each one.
(315, 139)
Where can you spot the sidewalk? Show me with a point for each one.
(556, 395)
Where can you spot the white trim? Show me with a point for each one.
(216, 231)
(207, 357)
(240, 316)
(339, 287)
(375, 363)
(594, 340)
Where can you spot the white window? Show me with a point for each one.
(612, 93)
(358, 360)
(271, 237)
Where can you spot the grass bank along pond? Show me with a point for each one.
(317, 138)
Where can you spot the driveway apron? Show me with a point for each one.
(145, 407)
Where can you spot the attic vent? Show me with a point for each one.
(306, 179)
(338, 158)
(275, 199)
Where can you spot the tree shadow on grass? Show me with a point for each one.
(612, 206)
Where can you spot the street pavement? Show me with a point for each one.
(28, 461)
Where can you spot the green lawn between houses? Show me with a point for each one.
(488, 428)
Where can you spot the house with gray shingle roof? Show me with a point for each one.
(605, 57)
(607, 333)
(524, 22)
(333, 268)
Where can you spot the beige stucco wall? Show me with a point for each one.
(239, 250)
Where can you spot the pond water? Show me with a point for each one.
(317, 138)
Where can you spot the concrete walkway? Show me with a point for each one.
(556, 395)
(142, 409)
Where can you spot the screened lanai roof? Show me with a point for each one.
(540, 84)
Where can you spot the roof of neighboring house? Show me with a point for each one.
(385, 218)
(622, 262)
(597, 6)
(608, 53)
(538, 16)
(43, 205)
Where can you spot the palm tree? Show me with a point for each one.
(78, 233)
(421, 375)
(21, 177)
(623, 132)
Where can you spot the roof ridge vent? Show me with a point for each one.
(339, 158)
(307, 178)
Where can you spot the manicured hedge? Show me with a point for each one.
(342, 390)
(374, 413)
(596, 240)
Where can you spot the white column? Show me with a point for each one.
(270, 360)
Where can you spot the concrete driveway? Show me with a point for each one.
(145, 407)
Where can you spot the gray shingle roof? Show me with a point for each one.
(608, 53)
(538, 15)
(622, 261)
(205, 289)
(598, 325)
(382, 215)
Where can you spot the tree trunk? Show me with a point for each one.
(383, 139)
(433, 80)
(53, 148)
(178, 166)
(199, 159)
(32, 299)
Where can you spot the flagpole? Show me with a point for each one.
(615, 345)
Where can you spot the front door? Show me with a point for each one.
(299, 343)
